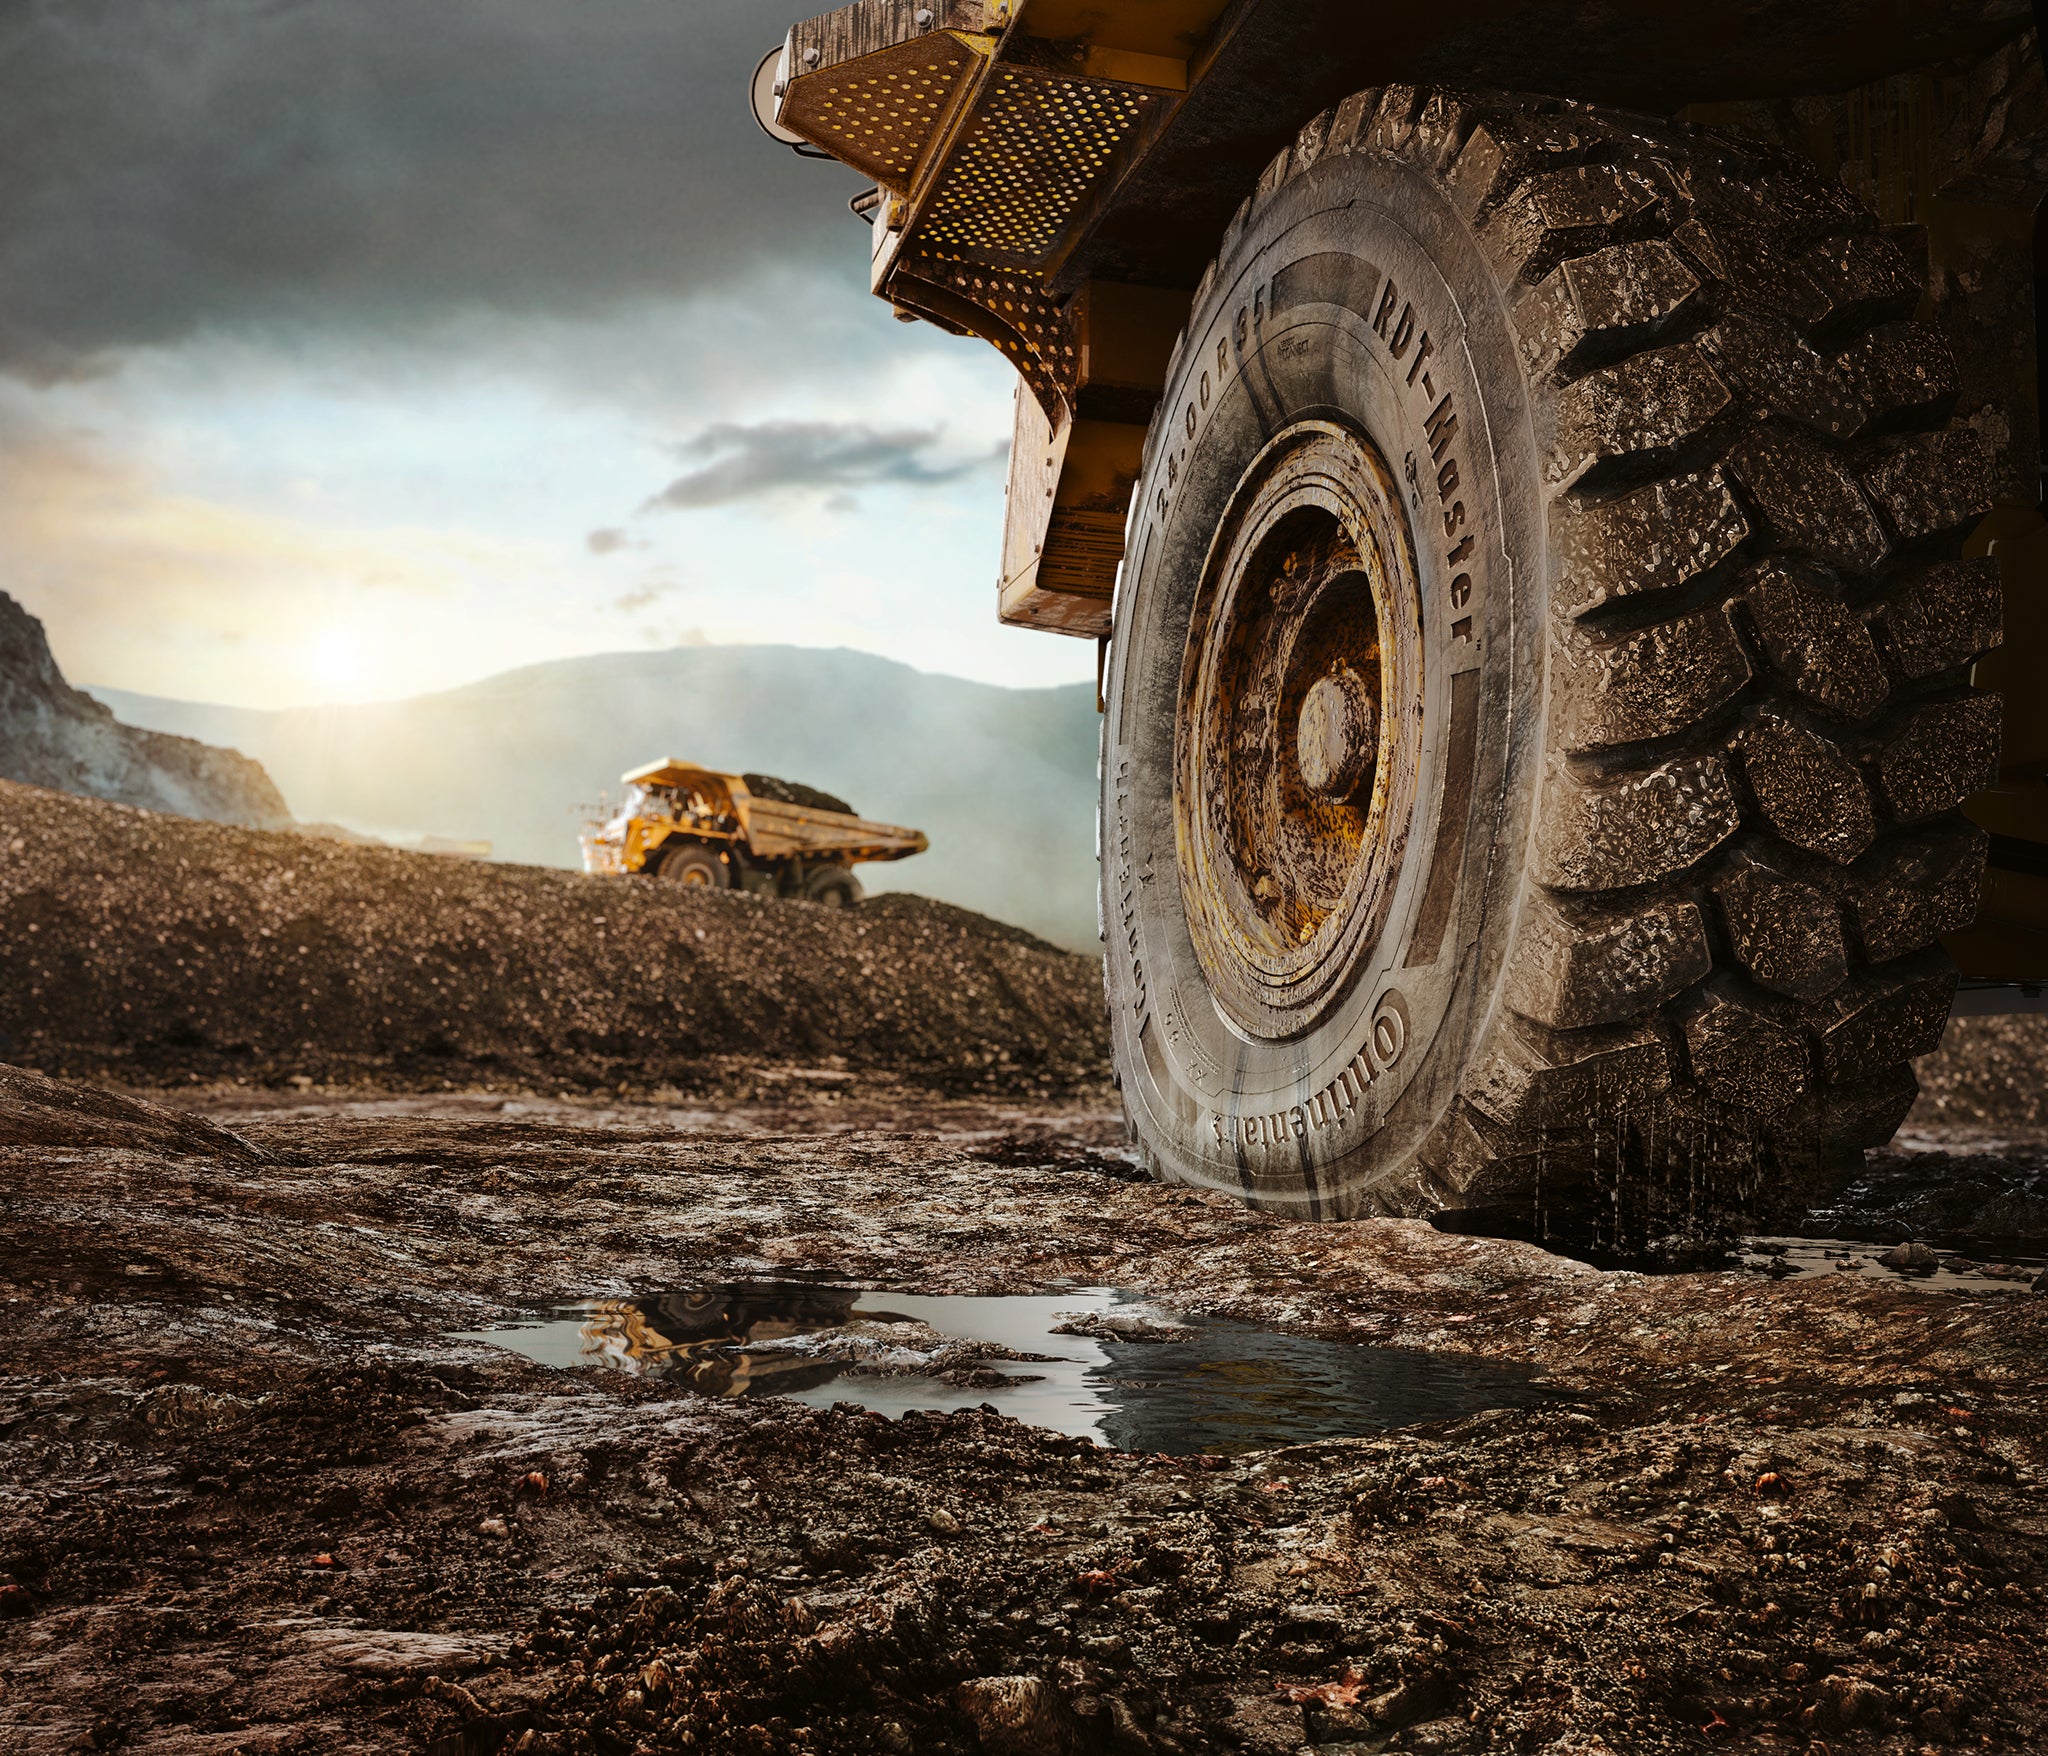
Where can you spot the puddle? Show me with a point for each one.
(1954, 1272)
(1088, 1361)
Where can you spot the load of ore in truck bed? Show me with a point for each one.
(150, 949)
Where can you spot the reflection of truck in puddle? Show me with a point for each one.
(718, 831)
(703, 1336)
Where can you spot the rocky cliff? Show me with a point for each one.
(52, 735)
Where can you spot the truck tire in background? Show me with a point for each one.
(834, 886)
(1538, 701)
(691, 863)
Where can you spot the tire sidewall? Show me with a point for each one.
(1334, 1120)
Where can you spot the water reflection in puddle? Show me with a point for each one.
(1953, 1272)
(1088, 1361)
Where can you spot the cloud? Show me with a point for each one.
(652, 592)
(745, 462)
(176, 166)
(605, 542)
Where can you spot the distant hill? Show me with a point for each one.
(55, 736)
(1002, 780)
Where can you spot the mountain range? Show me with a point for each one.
(1001, 780)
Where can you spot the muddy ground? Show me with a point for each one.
(253, 1499)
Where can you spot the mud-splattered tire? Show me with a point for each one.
(695, 865)
(1538, 701)
(833, 886)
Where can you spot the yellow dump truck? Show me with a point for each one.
(1546, 478)
(751, 832)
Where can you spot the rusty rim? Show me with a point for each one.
(1299, 729)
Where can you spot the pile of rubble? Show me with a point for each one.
(152, 950)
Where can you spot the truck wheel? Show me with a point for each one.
(1538, 702)
(690, 863)
(834, 886)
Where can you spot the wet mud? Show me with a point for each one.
(259, 1493)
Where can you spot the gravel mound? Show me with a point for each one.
(1987, 1073)
(153, 949)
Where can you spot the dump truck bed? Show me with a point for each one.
(775, 830)
(772, 829)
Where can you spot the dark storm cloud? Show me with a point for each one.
(748, 462)
(176, 165)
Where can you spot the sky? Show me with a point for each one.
(351, 349)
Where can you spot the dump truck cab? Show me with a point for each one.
(1549, 483)
(709, 829)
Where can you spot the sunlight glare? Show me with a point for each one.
(337, 663)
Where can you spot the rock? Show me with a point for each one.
(1910, 1258)
(1848, 1701)
(52, 735)
(1018, 1716)
(35, 1111)
(1265, 1726)
(942, 1522)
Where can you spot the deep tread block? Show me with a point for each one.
(1556, 214)
(1392, 122)
(1904, 894)
(1658, 538)
(1351, 118)
(1931, 482)
(1624, 290)
(1815, 643)
(1942, 618)
(1779, 373)
(1849, 1117)
(1886, 1016)
(1648, 684)
(1530, 1077)
(1578, 967)
(1742, 1055)
(1610, 834)
(1809, 498)
(1440, 130)
(1786, 932)
(1901, 371)
(1944, 752)
(1864, 277)
(1651, 403)
(1807, 787)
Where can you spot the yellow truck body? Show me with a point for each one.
(709, 828)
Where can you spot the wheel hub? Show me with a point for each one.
(1298, 733)
(1337, 734)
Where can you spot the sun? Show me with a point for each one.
(336, 662)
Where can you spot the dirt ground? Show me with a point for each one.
(252, 1498)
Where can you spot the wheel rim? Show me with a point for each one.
(1298, 737)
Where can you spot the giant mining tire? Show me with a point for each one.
(694, 864)
(833, 885)
(1538, 698)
